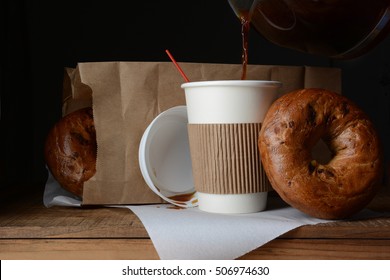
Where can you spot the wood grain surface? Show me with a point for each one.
(28, 230)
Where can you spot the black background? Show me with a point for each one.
(40, 38)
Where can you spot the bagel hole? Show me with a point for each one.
(321, 152)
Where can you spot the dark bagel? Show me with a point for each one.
(70, 150)
(333, 190)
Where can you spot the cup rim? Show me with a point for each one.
(230, 83)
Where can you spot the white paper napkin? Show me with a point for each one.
(193, 234)
(54, 194)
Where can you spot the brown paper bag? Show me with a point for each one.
(127, 96)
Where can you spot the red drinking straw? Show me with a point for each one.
(177, 66)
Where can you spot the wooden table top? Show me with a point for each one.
(29, 230)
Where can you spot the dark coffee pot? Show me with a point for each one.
(341, 29)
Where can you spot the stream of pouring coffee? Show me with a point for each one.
(243, 10)
(245, 26)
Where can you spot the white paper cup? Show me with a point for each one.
(224, 121)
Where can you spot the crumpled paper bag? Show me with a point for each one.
(127, 96)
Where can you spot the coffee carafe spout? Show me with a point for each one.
(243, 8)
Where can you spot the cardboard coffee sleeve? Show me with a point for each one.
(226, 159)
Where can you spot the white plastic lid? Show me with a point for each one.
(164, 158)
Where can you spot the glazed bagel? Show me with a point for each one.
(70, 150)
(328, 190)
